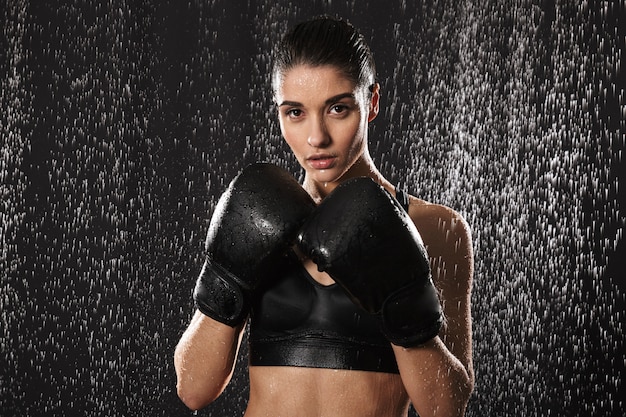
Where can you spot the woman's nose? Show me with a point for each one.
(318, 134)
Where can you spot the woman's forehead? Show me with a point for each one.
(305, 80)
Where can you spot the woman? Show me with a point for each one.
(326, 94)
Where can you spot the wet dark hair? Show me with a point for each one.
(325, 41)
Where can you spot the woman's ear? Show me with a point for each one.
(374, 102)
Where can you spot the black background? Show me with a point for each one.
(122, 122)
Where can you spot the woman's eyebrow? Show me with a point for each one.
(330, 100)
(340, 97)
(290, 103)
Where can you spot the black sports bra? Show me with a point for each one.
(296, 321)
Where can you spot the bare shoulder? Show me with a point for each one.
(448, 241)
(447, 237)
(438, 223)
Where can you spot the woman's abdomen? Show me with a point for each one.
(293, 391)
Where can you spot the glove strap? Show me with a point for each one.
(218, 295)
(412, 315)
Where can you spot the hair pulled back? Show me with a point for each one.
(325, 41)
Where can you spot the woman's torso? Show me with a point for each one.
(308, 391)
(323, 391)
(303, 392)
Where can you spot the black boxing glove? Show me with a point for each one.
(368, 244)
(256, 219)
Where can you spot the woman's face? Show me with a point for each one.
(323, 117)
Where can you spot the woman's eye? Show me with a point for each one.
(294, 113)
(338, 109)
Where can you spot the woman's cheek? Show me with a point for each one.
(294, 144)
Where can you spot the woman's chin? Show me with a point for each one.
(324, 177)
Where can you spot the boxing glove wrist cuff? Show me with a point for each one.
(218, 295)
(412, 315)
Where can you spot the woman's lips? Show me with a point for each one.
(321, 161)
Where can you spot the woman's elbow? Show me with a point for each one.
(204, 361)
(469, 385)
(196, 398)
(466, 387)
(197, 389)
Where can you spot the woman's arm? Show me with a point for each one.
(439, 375)
(204, 360)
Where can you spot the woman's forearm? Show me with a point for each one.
(204, 360)
(436, 381)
